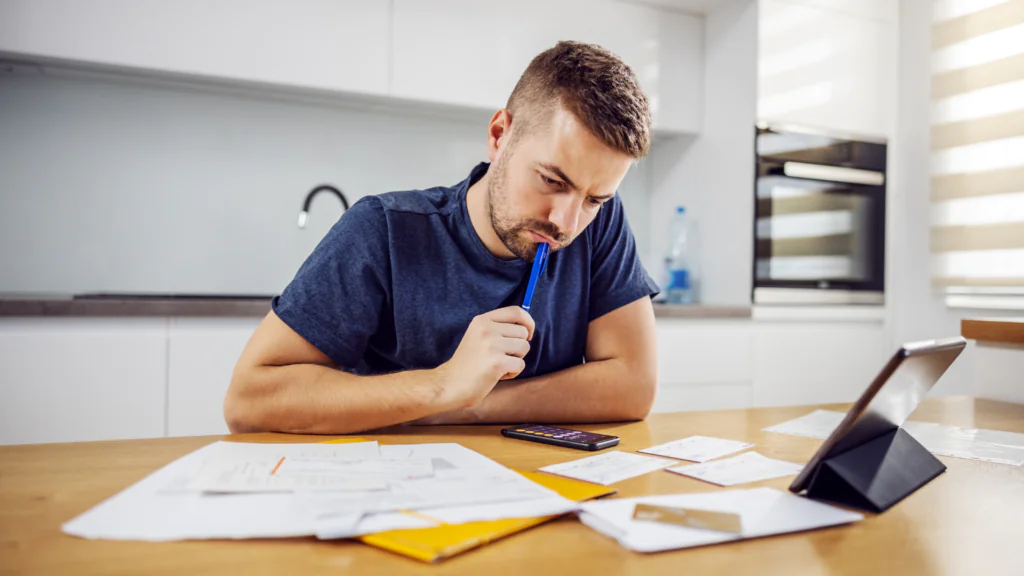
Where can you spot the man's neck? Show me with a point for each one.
(476, 203)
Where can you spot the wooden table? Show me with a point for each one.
(967, 521)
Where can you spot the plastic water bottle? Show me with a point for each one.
(677, 261)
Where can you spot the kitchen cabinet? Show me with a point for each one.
(704, 352)
(463, 53)
(471, 53)
(813, 363)
(874, 9)
(72, 379)
(703, 365)
(726, 364)
(825, 68)
(313, 44)
(202, 353)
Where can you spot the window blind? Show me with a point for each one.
(977, 141)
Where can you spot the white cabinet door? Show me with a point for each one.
(324, 44)
(812, 363)
(74, 379)
(874, 9)
(202, 355)
(472, 52)
(703, 365)
(823, 68)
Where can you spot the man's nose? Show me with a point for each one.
(565, 214)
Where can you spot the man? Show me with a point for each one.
(409, 309)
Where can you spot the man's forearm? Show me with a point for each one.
(318, 399)
(603, 391)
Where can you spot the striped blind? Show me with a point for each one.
(977, 140)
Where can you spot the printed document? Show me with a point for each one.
(608, 468)
(748, 467)
(697, 448)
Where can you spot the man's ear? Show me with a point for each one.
(498, 132)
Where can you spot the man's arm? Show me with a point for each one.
(617, 382)
(283, 383)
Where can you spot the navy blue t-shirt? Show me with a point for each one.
(395, 283)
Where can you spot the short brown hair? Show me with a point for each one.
(598, 88)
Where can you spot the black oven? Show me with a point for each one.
(819, 218)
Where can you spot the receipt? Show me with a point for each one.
(817, 424)
(697, 448)
(608, 468)
(748, 467)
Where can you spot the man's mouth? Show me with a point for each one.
(542, 238)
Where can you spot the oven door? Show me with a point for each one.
(819, 234)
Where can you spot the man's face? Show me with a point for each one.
(550, 184)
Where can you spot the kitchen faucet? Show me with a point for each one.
(309, 200)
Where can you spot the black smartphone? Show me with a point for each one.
(565, 437)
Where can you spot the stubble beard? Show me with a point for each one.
(509, 230)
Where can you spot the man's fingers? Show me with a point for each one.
(514, 331)
(517, 347)
(513, 367)
(514, 315)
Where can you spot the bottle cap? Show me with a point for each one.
(680, 209)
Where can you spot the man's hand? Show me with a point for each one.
(492, 349)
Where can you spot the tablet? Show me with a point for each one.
(889, 400)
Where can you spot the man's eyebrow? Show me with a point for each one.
(558, 172)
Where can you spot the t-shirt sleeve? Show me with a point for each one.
(336, 299)
(617, 277)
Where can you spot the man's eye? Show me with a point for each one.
(595, 201)
(551, 181)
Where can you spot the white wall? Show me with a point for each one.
(122, 185)
(713, 174)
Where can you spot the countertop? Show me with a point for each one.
(1001, 330)
(209, 305)
(203, 305)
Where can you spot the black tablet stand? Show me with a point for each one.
(876, 474)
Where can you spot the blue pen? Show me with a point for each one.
(539, 262)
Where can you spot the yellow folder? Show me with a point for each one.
(444, 541)
(440, 542)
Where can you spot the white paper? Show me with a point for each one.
(697, 448)
(552, 506)
(354, 525)
(608, 468)
(742, 469)
(461, 477)
(817, 424)
(763, 512)
(241, 467)
(164, 506)
(443, 490)
(235, 476)
(970, 443)
(447, 458)
(160, 507)
(341, 526)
